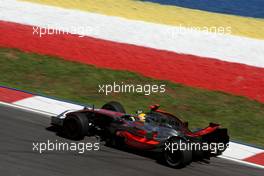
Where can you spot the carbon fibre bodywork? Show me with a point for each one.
(149, 135)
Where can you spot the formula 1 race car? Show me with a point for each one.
(156, 131)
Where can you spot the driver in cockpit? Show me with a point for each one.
(142, 117)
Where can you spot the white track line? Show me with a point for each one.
(28, 109)
(241, 161)
(225, 47)
(47, 104)
(240, 151)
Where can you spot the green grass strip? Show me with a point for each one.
(76, 82)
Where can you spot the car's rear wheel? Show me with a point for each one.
(76, 126)
(114, 106)
(177, 158)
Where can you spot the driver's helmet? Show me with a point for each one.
(142, 117)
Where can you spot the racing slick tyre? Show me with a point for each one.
(114, 106)
(177, 158)
(76, 126)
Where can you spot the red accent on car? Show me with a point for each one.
(138, 141)
(204, 131)
(108, 112)
(155, 135)
(154, 107)
(141, 132)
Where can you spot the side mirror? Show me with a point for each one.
(154, 107)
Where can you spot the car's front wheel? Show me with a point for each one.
(75, 126)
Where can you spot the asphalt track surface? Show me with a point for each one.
(19, 129)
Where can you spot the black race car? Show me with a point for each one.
(156, 131)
